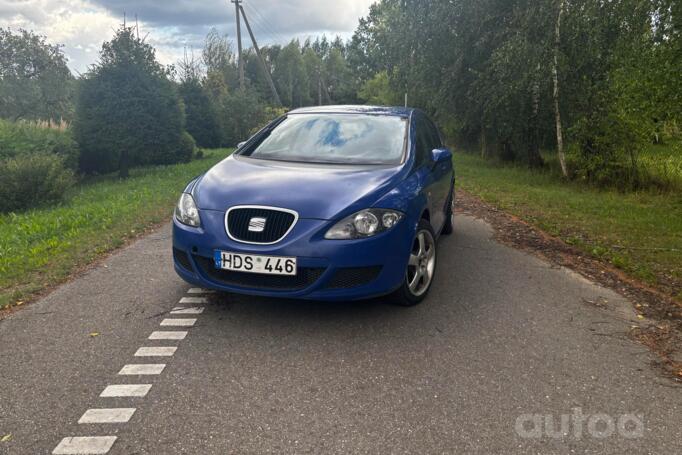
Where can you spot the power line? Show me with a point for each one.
(260, 57)
(271, 29)
(261, 27)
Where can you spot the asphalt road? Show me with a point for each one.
(502, 349)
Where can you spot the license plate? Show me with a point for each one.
(266, 265)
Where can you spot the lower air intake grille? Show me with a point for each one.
(304, 278)
(182, 259)
(353, 277)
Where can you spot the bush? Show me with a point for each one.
(30, 180)
(604, 151)
(186, 147)
(26, 138)
(244, 112)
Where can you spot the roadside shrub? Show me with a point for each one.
(186, 148)
(604, 151)
(244, 113)
(26, 138)
(661, 167)
(31, 180)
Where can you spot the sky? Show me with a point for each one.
(172, 26)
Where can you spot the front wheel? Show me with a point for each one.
(421, 268)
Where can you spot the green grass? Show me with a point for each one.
(640, 233)
(42, 247)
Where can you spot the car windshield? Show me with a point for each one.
(335, 139)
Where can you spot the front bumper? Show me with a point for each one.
(328, 269)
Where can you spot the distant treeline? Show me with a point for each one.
(599, 80)
(582, 85)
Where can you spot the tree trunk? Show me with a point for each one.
(534, 157)
(484, 143)
(555, 77)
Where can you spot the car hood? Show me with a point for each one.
(314, 191)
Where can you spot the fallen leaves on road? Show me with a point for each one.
(94, 334)
(665, 341)
(6, 438)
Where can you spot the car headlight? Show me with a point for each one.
(366, 223)
(186, 211)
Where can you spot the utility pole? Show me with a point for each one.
(237, 6)
(264, 67)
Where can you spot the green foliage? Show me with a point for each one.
(484, 69)
(26, 138)
(660, 166)
(290, 76)
(202, 117)
(40, 248)
(605, 150)
(244, 112)
(186, 148)
(35, 83)
(128, 111)
(377, 91)
(31, 180)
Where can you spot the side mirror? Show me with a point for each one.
(241, 144)
(441, 155)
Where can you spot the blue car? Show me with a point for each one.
(325, 203)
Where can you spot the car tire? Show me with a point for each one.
(423, 261)
(449, 226)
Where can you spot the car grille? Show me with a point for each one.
(353, 277)
(305, 277)
(277, 224)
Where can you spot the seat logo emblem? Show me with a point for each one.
(257, 224)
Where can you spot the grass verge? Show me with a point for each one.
(639, 233)
(43, 247)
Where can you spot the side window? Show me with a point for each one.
(424, 139)
(435, 135)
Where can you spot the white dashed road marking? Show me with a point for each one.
(118, 415)
(200, 291)
(193, 300)
(161, 351)
(132, 370)
(94, 445)
(85, 445)
(126, 390)
(178, 322)
(168, 335)
(187, 310)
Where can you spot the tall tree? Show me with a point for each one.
(555, 95)
(290, 77)
(35, 82)
(128, 111)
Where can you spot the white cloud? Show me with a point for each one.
(83, 25)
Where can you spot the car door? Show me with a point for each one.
(424, 166)
(443, 173)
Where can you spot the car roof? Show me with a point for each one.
(356, 109)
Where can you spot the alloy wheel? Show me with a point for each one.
(422, 263)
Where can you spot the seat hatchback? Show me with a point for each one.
(328, 203)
